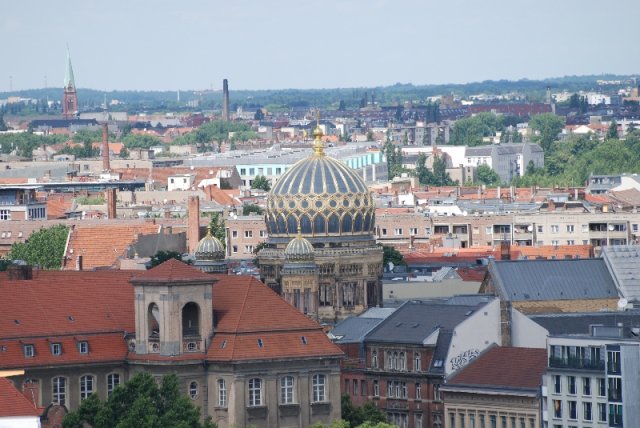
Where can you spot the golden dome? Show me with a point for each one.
(323, 197)
(209, 248)
(298, 250)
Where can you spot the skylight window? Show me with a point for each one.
(303, 339)
(260, 343)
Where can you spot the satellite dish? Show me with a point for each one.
(611, 228)
(391, 266)
(622, 303)
(530, 228)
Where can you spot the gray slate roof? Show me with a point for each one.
(354, 329)
(623, 262)
(414, 321)
(575, 279)
(580, 323)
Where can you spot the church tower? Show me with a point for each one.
(70, 100)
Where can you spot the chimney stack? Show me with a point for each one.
(193, 223)
(111, 203)
(225, 100)
(105, 147)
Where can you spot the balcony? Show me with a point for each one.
(575, 363)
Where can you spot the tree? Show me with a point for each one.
(162, 256)
(139, 141)
(261, 182)
(140, 402)
(44, 248)
(612, 133)
(124, 153)
(357, 416)
(218, 228)
(3, 126)
(548, 126)
(470, 131)
(487, 176)
(390, 254)
(252, 208)
(440, 174)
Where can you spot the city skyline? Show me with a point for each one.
(338, 44)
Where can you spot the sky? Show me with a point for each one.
(278, 44)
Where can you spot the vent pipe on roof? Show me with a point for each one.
(79, 263)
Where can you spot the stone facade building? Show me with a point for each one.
(327, 204)
(241, 353)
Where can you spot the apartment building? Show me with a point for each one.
(244, 234)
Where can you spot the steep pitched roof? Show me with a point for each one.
(254, 323)
(503, 368)
(101, 245)
(13, 402)
(623, 262)
(173, 271)
(575, 279)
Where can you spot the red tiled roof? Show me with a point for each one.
(101, 245)
(108, 347)
(247, 310)
(58, 205)
(173, 271)
(100, 301)
(504, 367)
(214, 193)
(13, 403)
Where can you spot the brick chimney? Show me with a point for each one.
(193, 223)
(105, 147)
(111, 203)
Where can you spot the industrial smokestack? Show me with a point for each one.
(105, 147)
(111, 203)
(193, 223)
(225, 100)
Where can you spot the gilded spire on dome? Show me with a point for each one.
(318, 145)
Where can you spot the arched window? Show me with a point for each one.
(402, 361)
(87, 385)
(255, 392)
(153, 320)
(191, 320)
(113, 380)
(374, 359)
(286, 390)
(222, 393)
(59, 390)
(193, 390)
(395, 361)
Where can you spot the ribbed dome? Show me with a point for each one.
(298, 250)
(323, 197)
(209, 248)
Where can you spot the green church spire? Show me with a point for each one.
(68, 75)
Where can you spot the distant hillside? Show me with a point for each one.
(534, 90)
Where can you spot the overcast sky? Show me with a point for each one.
(274, 44)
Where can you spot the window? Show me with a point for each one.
(602, 387)
(416, 361)
(571, 385)
(248, 233)
(222, 393)
(573, 410)
(5, 215)
(557, 385)
(83, 347)
(413, 231)
(602, 412)
(557, 408)
(29, 351)
(376, 389)
(555, 242)
(384, 231)
(374, 359)
(56, 349)
(263, 233)
(318, 384)
(586, 386)
(86, 386)
(252, 171)
(555, 228)
(278, 171)
(248, 248)
(59, 395)
(193, 390)
(234, 248)
(418, 391)
(586, 411)
(570, 228)
(461, 415)
(113, 380)
(540, 228)
(402, 361)
(418, 422)
(255, 392)
(488, 230)
(436, 392)
(243, 171)
(286, 390)
(398, 231)
(234, 233)
(615, 414)
(634, 227)
(571, 242)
